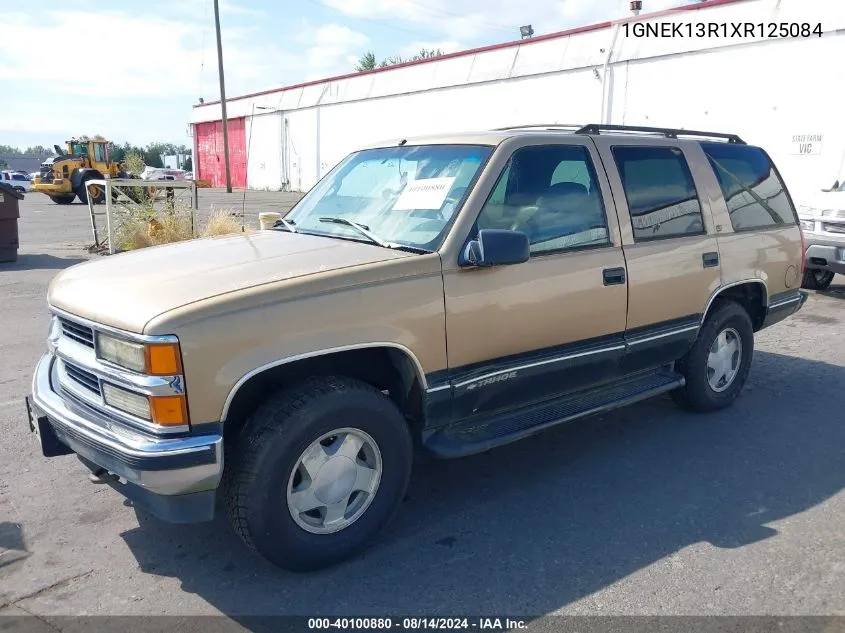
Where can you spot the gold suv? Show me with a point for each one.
(452, 293)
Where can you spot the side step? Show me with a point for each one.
(479, 435)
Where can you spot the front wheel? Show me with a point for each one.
(817, 279)
(317, 472)
(62, 199)
(716, 367)
(95, 192)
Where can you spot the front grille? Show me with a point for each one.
(833, 228)
(79, 333)
(82, 377)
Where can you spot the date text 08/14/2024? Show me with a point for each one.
(416, 623)
(748, 30)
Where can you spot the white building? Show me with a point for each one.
(786, 94)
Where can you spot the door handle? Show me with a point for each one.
(613, 276)
(710, 260)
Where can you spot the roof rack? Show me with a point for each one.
(549, 126)
(596, 128)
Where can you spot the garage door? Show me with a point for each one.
(210, 156)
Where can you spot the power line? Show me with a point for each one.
(387, 24)
(435, 11)
(204, 33)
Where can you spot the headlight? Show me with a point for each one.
(134, 403)
(155, 359)
(123, 353)
(808, 225)
(163, 410)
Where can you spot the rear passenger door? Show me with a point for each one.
(669, 241)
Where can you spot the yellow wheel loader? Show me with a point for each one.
(64, 176)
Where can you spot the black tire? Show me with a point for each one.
(82, 192)
(260, 463)
(697, 394)
(62, 199)
(817, 279)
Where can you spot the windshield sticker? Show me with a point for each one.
(428, 193)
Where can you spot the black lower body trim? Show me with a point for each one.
(783, 305)
(479, 435)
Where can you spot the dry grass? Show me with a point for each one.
(144, 226)
(221, 222)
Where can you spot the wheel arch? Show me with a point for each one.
(751, 294)
(389, 367)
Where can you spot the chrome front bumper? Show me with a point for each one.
(173, 477)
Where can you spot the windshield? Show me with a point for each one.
(404, 195)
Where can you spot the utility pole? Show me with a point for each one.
(222, 97)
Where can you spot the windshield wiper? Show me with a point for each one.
(361, 228)
(288, 224)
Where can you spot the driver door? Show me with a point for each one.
(521, 334)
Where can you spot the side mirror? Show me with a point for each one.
(496, 247)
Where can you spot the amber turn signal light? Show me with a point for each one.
(169, 410)
(163, 359)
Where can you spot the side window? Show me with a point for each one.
(498, 194)
(755, 195)
(660, 192)
(99, 152)
(550, 193)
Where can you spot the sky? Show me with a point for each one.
(131, 71)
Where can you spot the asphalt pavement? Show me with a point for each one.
(643, 511)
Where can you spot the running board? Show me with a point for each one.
(479, 435)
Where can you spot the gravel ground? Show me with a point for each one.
(645, 510)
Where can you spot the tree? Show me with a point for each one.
(189, 164)
(4, 164)
(368, 60)
(134, 162)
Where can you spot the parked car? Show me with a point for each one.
(18, 181)
(158, 173)
(571, 271)
(823, 222)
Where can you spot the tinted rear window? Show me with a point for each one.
(660, 192)
(755, 195)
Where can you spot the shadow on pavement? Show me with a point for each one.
(12, 544)
(27, 261)
(834, 290)
(534, 526)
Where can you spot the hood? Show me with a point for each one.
(128, 290)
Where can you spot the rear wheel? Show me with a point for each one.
(716, 367)
(817, 279)
(62, 199)
(317, 472)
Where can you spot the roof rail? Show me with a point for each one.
(596, 128)
(550, 126)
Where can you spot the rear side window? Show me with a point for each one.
(755, 195)
(660, 192)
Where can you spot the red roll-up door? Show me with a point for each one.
(210, 156)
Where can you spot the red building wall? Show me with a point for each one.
(210, 158)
